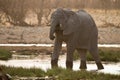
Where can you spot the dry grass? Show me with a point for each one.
(109, 18)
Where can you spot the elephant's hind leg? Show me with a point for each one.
(96, 57)
(82, 53)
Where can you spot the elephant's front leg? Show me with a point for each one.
(56, 52)
(69, 59)
(82, 53)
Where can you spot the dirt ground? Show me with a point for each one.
(40, 35)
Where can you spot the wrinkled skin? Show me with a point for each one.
(78, 30)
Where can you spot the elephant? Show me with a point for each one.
(78, 30)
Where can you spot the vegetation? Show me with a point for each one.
(15, 11)
(64, 74)
(59, 74)
(5, 54)
(110, 55)
(105, 55)
(23, 72)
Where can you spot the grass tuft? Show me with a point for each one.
(105, 55)
(59, 74)
(24, 72)
(5, 54)
(65, 74)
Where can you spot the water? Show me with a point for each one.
(43, 62)
(49, 45)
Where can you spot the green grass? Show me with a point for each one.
(24, 72)
(110, 55)
(105, 55)
(26, 52)
(83, 75)
(64, 74)
(5, 54)
(59, 74)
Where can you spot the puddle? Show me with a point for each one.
(43, 62)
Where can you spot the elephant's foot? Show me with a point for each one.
(69, 65)
(83, 65)
(54, 63)
(99, 65)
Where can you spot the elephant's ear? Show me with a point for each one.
(69, 23)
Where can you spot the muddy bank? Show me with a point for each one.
(41, 35)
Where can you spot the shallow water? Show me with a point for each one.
(43, 62)
(49, 45)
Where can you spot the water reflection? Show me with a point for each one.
(43, 62)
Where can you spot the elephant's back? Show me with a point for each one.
(85, 18)
(87, 24)
(87, 30)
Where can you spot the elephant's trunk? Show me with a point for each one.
(52, 29)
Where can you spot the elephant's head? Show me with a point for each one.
(59, 19)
